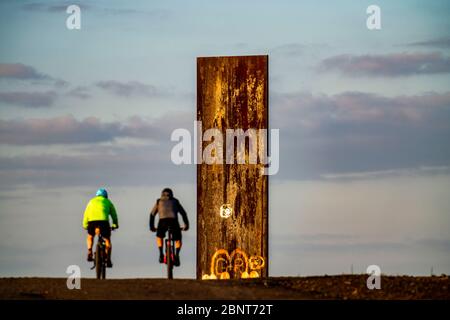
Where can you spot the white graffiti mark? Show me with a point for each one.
(238, 264)
(226, 211)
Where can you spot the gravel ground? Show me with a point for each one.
(322, 287)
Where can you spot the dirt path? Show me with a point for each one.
(325, 287)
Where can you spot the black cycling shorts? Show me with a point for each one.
(105, 229)
(163, 226)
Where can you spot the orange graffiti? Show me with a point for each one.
(238, 263)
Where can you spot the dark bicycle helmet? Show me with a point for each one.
(169, 191)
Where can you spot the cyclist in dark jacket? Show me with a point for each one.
(168, 208)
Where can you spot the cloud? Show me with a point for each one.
(112, 165)
(81, 92)
(359, 132)
(437, 43)
(127, 89)
(64, 129)
(20, 71)
(50, 7)
(388, 173)
(388, 65)
(135, 151)
(61, 7)
(290, 49)
(298, 49)
(28, 99)
(156, 14)
(69, 130)
(321, 137)
(359, 107)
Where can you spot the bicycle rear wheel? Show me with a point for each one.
(98, 262)
(169, 260)
(103, 269)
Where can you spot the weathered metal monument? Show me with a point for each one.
(232, 198)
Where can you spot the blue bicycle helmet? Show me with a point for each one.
(102, 192)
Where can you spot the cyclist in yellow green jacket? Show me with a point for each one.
(96, 217)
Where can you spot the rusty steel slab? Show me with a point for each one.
(232, 93)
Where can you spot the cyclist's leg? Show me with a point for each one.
(90, 240)
(105, 230)
(177, 252)
(160, 234)
(159, 243)
(178, 242)
(108, 250)
(108, 245)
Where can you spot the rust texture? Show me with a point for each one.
(232, 93)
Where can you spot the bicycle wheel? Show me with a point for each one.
(104, 266)
(169, 260)
(98, 262)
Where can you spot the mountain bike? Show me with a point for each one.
(100, 256)
(170, 252)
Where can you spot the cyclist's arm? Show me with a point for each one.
(113, 214)
(183, 215)
(153, 213)
(86, 216)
